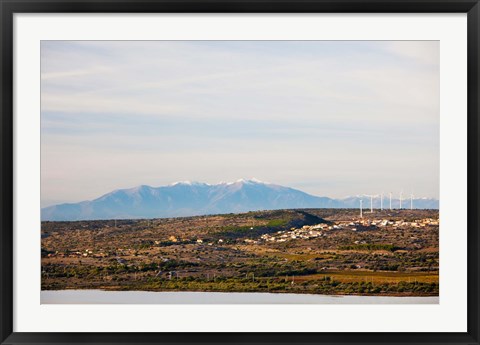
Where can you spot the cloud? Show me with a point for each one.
(74, 73)
(425, 52)
(324, 115)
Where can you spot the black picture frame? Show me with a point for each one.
(9, 7)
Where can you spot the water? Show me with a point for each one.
(185, 297)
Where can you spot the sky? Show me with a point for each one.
(331, 118)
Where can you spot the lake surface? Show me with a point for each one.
(185, 297)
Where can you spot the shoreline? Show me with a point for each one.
(120, 289)
(198, 297)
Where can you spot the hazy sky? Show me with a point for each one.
(332, 118)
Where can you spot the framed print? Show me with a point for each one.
(239, 172)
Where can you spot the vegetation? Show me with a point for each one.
(370, 247)
(297, 251)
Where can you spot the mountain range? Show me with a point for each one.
(183, 199)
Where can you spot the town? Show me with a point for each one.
(320, 251)
(313, 231)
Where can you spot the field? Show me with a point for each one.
(322, 251)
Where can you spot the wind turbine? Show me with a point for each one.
(401, 195)
(361, 211)
(371, 203)
(411, 201)
(390, 201)
(381, 202)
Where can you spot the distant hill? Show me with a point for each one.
(194, 198)
(188, 199)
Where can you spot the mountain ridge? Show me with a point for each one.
(188, 198)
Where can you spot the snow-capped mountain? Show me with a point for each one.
(197, 198)
(188, 199)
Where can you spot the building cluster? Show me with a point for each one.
(319, 230)
(306, 232)
(381, 223)
(76, 254)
